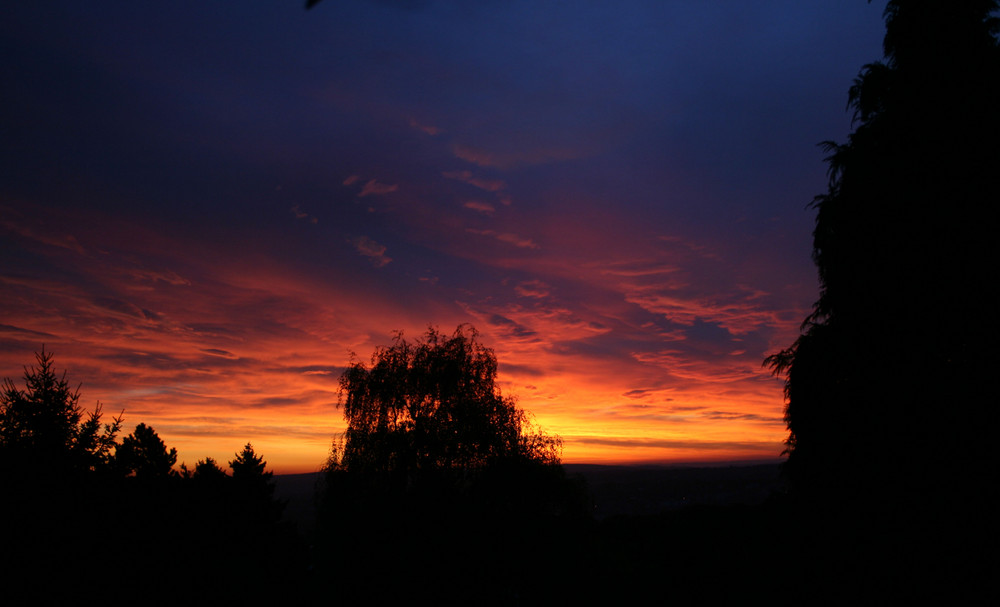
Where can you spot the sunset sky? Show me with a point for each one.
(207, 206)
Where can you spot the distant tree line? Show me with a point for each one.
(73, 491)
(437, 471)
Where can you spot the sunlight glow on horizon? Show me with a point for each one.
(209, 391)
(209, 232)
(217, 355)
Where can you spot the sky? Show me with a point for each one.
(209, 208)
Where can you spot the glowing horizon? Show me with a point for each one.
(203, 222)
(254, 354)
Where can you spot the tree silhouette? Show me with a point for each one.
(208, 471)
(44, 429)
(433, 405)
(144, 455)
(249, 467)
(891, 375)
(889, 387)
(440, 470)
(254, 487)
(64, 494)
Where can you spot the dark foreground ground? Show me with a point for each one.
(615, 490)
(647, 535)
(716, 535)
(688, 535)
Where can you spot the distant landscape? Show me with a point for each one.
(263, 237)
(647, 489)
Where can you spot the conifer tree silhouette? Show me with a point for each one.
(45, 431)
(143, 454)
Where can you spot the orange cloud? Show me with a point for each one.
(214, 349)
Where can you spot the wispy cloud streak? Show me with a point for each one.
(613, 198)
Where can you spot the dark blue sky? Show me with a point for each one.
(205, 206)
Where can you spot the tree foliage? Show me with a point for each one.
(208, 470)
(439, 470)
(69, 486)
(890, 377)
(254, 486)
(434, 405)
(44, 428)
(144, 455)
(249, 466)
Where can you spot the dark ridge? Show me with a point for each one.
(654, 489)
(615, 490)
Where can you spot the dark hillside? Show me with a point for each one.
(651, 489)
(615, 490)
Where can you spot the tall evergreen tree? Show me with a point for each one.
(43, 428)
(889, 386)
(143, 454)
(254, 486)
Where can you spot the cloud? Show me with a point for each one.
(637, 393)
(221, 353)
(352, 180)
(537, 324)
(732, 416)
(430, 130)
(645, 442)
(691, 246)
(634, 269)
(167, 276)
(694, 366)
(123, 307)
(533, 288)
(511, 328)
(371, 249)
(374, 188)
(514, 158)
(509, 238)
(478, 205)
(739, 316)
(490, 185)
(305, 216)
(516, 240)
(24, 332)
(63, 241)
